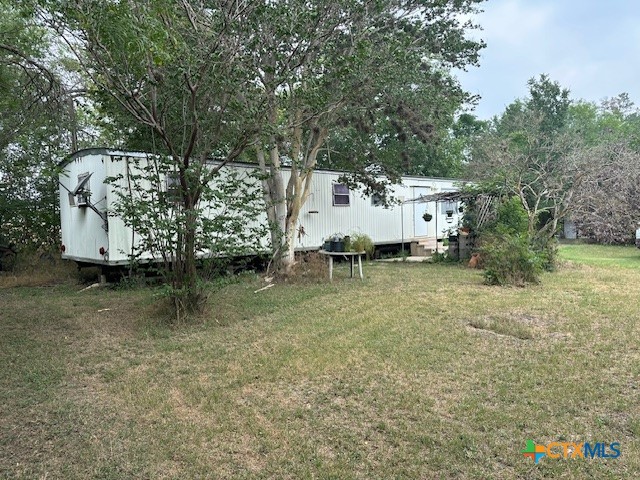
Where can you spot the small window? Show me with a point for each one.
(376, 200)
(340, 195)
(173, 187)
(449, 207)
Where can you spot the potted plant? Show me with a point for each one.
(337, 242)
(427, 217)
(452, 235)
(363, 243)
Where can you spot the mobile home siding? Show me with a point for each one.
(83, 235)
(82, 229)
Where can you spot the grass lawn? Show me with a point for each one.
(420, 371)
(602, 255)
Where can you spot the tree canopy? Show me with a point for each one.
(565, 160)
(288, 84)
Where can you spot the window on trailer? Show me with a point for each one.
(173, 187)
(448, 206)
(340, 195)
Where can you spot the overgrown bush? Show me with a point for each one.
(511, 218)
(310, 267)
(508, 254)
(547, 251)
(510, 260)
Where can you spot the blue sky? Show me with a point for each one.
(592, 47)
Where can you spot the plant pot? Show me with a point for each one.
(326, 246)
(337, 246)
(427, 217)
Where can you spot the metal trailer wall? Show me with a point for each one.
(383, 225)
(82, 229)
(83, 235)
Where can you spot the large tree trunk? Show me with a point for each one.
(283, 211)
(284, 203)
(273, 192)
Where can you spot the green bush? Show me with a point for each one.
(444, 257)
(512, 218)
(509, 255)
(547, 251)
(510, 260)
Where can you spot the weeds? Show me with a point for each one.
(38, 269)
(310, 267)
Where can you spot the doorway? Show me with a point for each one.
(420, 227)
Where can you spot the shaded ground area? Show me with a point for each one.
(420, 371)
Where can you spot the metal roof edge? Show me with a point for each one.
(118, 152)
(98, 151)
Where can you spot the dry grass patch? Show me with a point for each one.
(33, 272)
(516, 324)
(503, 326)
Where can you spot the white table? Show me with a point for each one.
(350, 255)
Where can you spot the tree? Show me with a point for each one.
(614, 119)
(405, 135)
(551, 103)
(150, 204)
(28, 84)
(531, 154)
(210, 80)
(566, 160)
(354, 76)
(35, 130)
(175, 68)
(607, 205)
(543, 173)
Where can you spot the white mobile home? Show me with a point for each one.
(92, 234)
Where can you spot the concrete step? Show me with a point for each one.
(425, 247)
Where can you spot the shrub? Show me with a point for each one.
(547, 251)
(512, 218)
(510, 260)
(444, 257)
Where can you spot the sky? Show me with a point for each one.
(591, 47)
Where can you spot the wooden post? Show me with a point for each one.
(330, 268)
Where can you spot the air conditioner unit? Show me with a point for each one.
(82, 191)
(82, 200)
